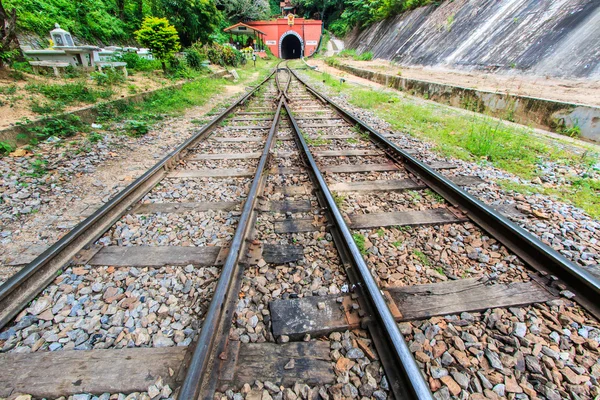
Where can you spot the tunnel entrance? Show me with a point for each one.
(291, 47)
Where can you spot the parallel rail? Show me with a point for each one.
(529, 248)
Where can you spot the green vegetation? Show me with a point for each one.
(69, 93)
(6, 148)
(380, 232)
(224, 55)
(423, 259)
(160, 37)
(436, 197)
(360, 242)
(86, 19)
(38, 168)
(62, 126)
(397, 243)
(136, 128)
(351, 53)
(338, 198)
(456, 135)
(108, 77)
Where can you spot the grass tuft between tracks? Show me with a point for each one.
(482, 139)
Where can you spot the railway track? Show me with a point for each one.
(275, 255)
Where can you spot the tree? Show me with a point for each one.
(320, 6)
(160, 37)
(195, 20)
(239, 10)
(9, 44)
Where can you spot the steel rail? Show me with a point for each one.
(198, 364)
(22, 287)
(418, 388)
(282, 92)
(529, 248)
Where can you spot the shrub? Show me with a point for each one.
(194, 58)
(161, 37)
(224, 55)
(137, 63)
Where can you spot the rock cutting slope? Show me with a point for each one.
(538, 37)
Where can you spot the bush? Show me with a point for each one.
(224, 55)
(137, 63)
(194, 58)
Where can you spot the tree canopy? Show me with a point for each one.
(195, 20)
(240, 10)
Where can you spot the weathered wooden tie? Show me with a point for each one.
(319, 315)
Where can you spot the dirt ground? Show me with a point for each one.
(17, 106)
(571, 91)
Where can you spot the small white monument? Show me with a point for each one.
(60, 37)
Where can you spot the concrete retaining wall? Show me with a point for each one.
(546, 114)
(87, 114)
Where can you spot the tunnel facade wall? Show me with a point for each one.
(308, 30)
(556, 38)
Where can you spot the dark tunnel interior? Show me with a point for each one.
(291, 47)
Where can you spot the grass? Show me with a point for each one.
(338, 198)
(421, 257)
(69, 93)
(351, 53)
(360, 242)
(477, 138)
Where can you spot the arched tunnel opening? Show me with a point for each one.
(291, 47)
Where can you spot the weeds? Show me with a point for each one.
(360, 242)
(38, 168)
(47, 108)
(62, 126)
(421, 257)
(6, 147)
(136, 128)
(107, 78)
(338, 198)
(8, 90)
(69, 92)
(95, 137)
